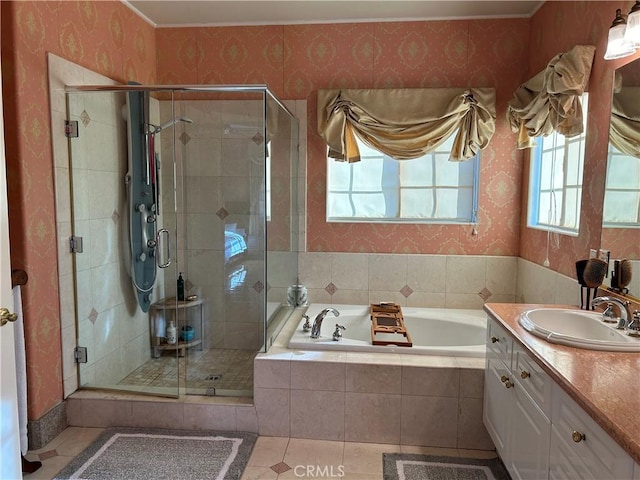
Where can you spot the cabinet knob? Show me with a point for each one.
(504, 378)
(508, 384)
(524, 374)
(577, 436)
(494, 339)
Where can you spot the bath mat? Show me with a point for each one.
(408, 466)
(137, 454)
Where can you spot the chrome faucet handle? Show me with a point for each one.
(337, 335)
(633, 328)
(609, 316)
(307, 326)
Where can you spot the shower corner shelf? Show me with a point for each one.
(171, 304)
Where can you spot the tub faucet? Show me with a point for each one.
(622, 306)
(317, 323)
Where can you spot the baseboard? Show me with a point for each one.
(47, 427)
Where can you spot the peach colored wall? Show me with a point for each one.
(108, 38)
(555, 28)
(297, 60)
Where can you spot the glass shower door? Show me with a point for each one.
(118, 227)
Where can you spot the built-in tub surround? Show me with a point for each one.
(604, 384)
(429, 400)
(410, 280)
(433, 331)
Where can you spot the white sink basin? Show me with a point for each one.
(577, 328)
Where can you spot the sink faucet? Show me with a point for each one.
(317, 323)
(622, 306)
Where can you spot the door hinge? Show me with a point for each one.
(75, 244)
(71, 128)
(80, 354)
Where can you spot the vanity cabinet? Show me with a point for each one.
(539, 431)
(580, 448)
(520, 429)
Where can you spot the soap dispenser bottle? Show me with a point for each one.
(171, 333)
(180, 287)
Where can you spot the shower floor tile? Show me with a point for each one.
(220, 369)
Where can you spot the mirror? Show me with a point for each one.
(621, 211)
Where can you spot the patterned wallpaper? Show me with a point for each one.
(294, 61)
(555, 28)
(297, 60)
(106, 37)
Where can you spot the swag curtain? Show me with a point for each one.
(406, 123)
(624, 131)
(551, 100)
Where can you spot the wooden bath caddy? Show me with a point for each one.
(387, 325)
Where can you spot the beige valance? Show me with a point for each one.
(406, 123)
(624, 131)
(551, 100)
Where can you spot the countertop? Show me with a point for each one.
(605, 384)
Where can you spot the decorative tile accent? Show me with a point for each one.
(47, 454)
(406, 291)
(258, 139)
(184, 138)
(222, 213)
(331, 288)
(85, 118)
(280, 468)
(258, 286)
(485, 293)
(115, 216)
(93, 316)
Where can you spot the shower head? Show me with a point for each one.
(168, 124)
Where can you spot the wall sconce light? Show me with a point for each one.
(624, 34)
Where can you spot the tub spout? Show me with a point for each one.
(317, 323)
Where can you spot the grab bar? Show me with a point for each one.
(159, 249)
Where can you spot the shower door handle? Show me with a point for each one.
(160, 244)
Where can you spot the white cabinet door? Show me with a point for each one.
(529, 438)
(497, 404)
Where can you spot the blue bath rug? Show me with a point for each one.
(158, 454)
(411, 466)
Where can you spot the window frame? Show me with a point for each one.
(612, 154)
(535, 179)
(475, 187)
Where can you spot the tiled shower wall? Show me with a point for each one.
(110, 324)
(221, 172)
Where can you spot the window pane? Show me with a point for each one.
(339, 176)
(621, 207)
(572, 208)
(417, 203)
(416, 173)
(555, 187)
(369, 205)
(380, 188)
(367, 174)
(573, 164)
(623, 172)
(451, 203)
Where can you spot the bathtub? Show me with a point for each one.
(433, 331)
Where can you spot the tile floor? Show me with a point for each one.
(199, 371)
(273, 458)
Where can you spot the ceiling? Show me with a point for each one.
(165, 13)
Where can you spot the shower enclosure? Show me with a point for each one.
(190, 181)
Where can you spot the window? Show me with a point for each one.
(622, 191)
(429, 189)
(555, 181)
